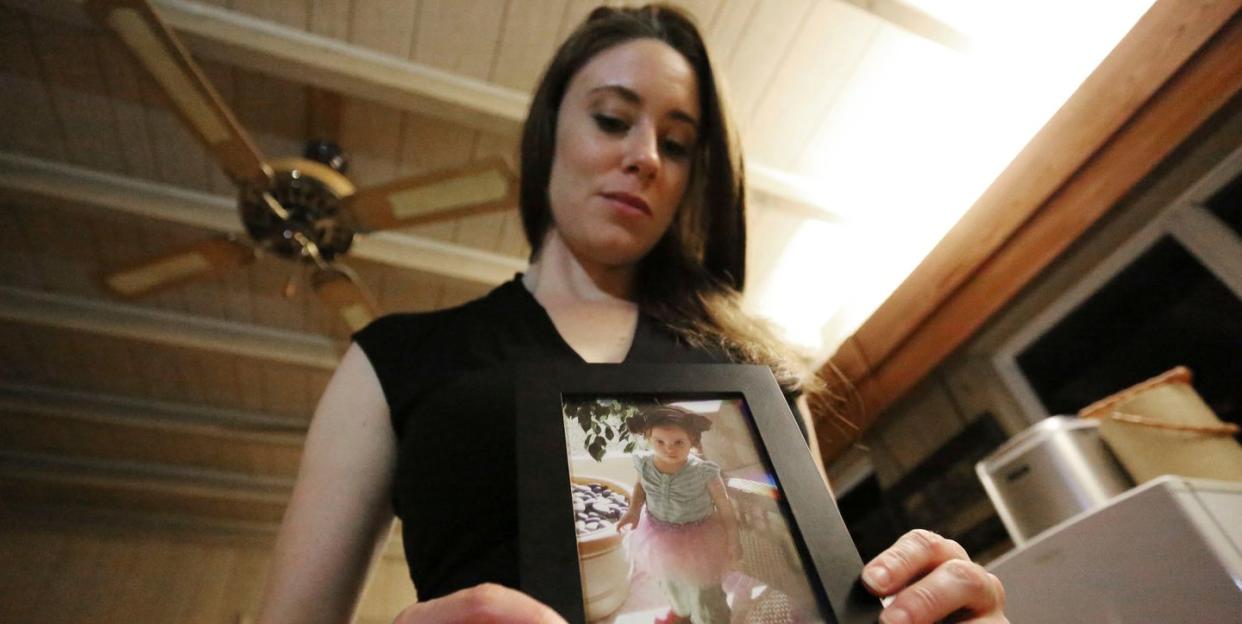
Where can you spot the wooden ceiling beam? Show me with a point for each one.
(234, 38)
(1164, 39)
(47, 401)
(103, 428)
(219, 214)
(167, 328)
(242, 40)
(71, 515)
(1181, 64)
(179, 481)
(914, 21)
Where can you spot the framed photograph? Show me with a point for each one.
(650, 493)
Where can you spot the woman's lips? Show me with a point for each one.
(630, 200)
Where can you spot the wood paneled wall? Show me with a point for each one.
(96, 570)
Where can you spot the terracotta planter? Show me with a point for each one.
(605, 569)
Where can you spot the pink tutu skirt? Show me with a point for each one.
(695, 553)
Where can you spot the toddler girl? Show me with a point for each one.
(686, 536)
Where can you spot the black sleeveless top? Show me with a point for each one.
(448, 377)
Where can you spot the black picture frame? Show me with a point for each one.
(547, 540)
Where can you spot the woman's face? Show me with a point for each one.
(625, 138)
(672, 444)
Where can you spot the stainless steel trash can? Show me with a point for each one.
(1055, 469)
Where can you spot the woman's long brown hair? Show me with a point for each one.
(692, 279)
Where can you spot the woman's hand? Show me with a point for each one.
(481, 603)
(933, 579)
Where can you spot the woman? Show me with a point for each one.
(632, 203)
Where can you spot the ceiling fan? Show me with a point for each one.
(302, 209)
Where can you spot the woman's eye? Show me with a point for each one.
(674, 149)
(611, 125)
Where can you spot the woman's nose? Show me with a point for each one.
(642, 155)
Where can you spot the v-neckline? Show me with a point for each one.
(548, 326)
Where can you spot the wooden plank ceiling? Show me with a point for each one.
(192, 401)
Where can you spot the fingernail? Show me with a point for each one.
(894, 616)
(876, 576)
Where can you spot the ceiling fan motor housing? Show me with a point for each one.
(310, 195)
(328, 153)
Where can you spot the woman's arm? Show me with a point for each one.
(339, 513)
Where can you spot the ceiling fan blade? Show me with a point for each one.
(483, 186)
(201, 260)
(159, 51)
(339, 289)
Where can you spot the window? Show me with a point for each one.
(1162, 310)
(1170, 295)
(1227, 205)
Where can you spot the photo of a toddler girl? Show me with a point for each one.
(684, 534)
(679, 517)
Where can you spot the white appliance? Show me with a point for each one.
(1169, 550)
